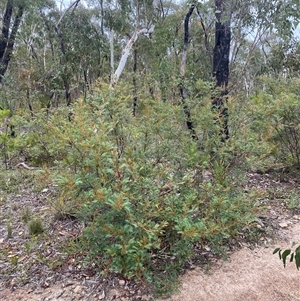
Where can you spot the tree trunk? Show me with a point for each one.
(135, 98)
(221, 64)
(7, 41)
(126, 52)
(112, 56)
(182, 88)
(5, 28)
(63, 50)
(102, 17)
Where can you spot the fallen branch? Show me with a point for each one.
(24, 165)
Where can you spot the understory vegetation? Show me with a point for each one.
(144, 189)
(146, 119)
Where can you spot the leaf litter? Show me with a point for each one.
(40, 268)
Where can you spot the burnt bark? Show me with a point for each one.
(66, 80)
(7, 41)
(135, 98)
(5, 28)
(183, 92)
(221, 65)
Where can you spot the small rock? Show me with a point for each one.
(77, 289)
(45, 190)
(101, 296)
(115, 294)
(283, 225)
(122, 282)
(45, 284)
(207, 248)
(296, 217)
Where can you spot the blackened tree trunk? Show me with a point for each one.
(221, 64)
(7, 40)
(135, 98)
(5, 27)
(182, 88)
(64, 62)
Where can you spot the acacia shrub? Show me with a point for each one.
(138, 184)
(275, 115)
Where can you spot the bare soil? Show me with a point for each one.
(39, 268)
(248, 275)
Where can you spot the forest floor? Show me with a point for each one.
(42, 268)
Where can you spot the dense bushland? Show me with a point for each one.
(145, 190)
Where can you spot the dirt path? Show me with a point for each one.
(248, 276)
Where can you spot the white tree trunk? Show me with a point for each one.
(126, 52)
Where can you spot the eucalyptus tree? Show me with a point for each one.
(40, 71)
(136, 18)
(219, 58)
(65, 77)
(12, 17)
(283, 58)
(256, 26)
(18, 49)
(241, 40)
(221, 61)
(76, 51)
(183, 92)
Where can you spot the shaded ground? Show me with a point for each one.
(40, 269)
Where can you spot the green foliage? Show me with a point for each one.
(26, 215)
(293, 201)
(294, 255)
(275, 118)
(14, 260)
(35, 227)
(5, 133)
(138, 183)
(9, 230)
(61, 208)
(34, 141)
(145, 191)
